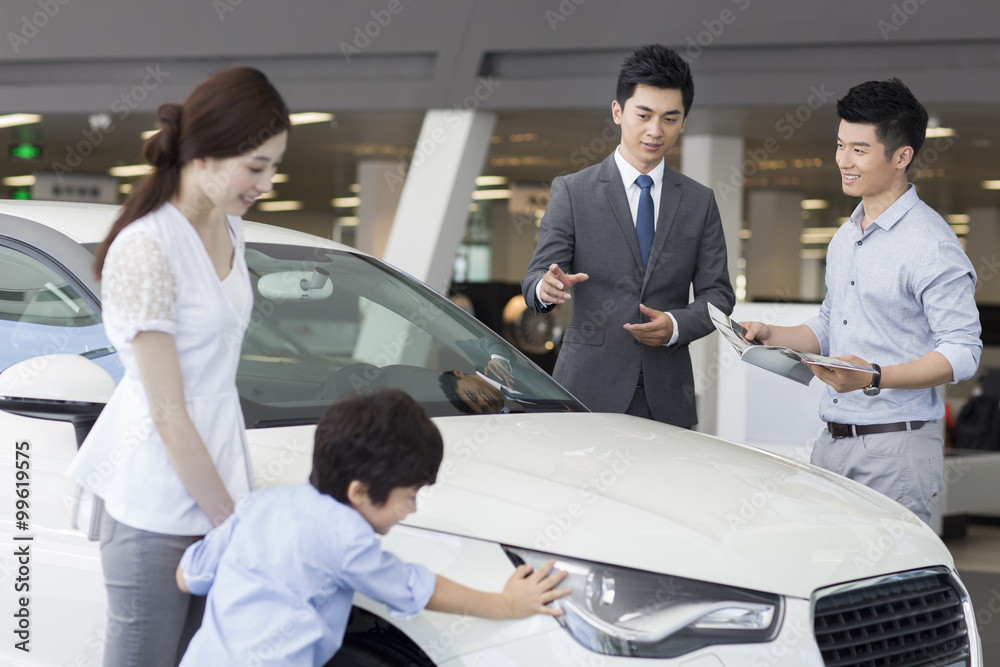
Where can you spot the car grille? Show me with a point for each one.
(909, 620)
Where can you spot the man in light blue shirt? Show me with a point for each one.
(900, 299)
(282, 571)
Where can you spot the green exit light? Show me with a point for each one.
(25, 151)
(22, 193)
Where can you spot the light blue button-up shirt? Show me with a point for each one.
(280, 575)
(899, 290)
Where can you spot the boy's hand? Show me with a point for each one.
(528, 592)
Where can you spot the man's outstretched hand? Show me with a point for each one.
(556, 284)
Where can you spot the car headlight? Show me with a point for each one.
(620, 611)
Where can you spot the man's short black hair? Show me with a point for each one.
(655, 65)
(448, 381)
(385, 440)
(899, 119)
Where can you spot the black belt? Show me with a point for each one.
(852, 430)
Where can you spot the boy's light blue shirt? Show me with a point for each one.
(280, 575)
(900, 289)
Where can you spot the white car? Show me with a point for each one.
(681, 548)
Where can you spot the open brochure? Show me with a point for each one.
(781, 360)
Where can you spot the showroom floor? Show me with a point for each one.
(977, 557)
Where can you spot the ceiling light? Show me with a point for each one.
(960, 229)
(12, 119)
(812, 254)
(130, 170)
(348, 221)
(279, 178)
(745, 234)
(19, 181)
(355, 188)
(147, 134)
(345, 202)
(480, 195)
(268, 195)
(991, 185)
(958, 218)
(935, 132)
(307, 117)
(125, 188)
(816, 234)
(485, 181)
(814, 204)
(279, 206)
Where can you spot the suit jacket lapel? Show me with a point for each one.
(670, 201)
(611, 180)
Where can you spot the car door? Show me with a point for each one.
(48, 305)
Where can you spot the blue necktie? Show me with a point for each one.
(644, 226)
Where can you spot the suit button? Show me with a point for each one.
(636, 341)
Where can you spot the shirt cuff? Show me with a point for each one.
(676, 334)
(819, 330)
(538, 294)
(963, 361)
(197, 584)
(421, 583)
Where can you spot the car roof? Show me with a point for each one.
(89, 223)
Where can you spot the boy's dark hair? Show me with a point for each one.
(655, 65)
(899, 119)
(384, 440)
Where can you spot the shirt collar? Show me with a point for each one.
(630, 173)
(894, 213)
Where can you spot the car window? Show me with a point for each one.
(43, 313)
(328, 323)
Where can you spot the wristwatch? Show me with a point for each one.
(873, 389)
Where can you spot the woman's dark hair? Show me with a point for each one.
(899, 119)
(384, 440)
(228, 114)
(655, 65)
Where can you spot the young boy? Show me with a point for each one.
(282, 571)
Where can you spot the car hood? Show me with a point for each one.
(635, 493)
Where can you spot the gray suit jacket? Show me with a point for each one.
(588, 228)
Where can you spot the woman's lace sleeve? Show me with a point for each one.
(138, 288)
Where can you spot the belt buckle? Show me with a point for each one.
(839, 431)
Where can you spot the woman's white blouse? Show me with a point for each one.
(159, 277)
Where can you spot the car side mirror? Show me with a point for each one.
(61, 387)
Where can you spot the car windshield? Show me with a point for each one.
(327, 323)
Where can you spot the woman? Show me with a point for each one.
(168, 455)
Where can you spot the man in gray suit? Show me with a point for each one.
(630, 237)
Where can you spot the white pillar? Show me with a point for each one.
(434, 204)
(773, 264)
(710, 160)
(379, 201)
(982, 245)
